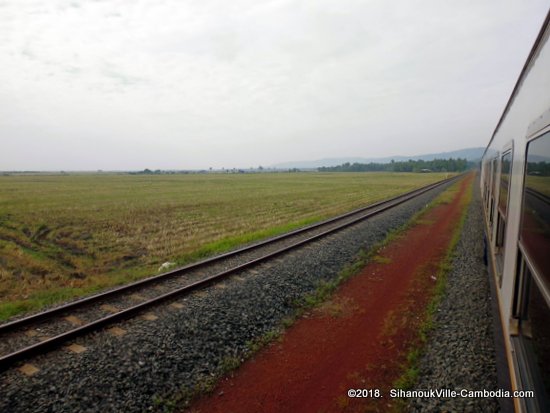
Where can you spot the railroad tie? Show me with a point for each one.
(28, 369)
(76, 348)
(137, 297)
(109, 308)
(75, 321)
(149, 317)
(116, 331)
(177, 306)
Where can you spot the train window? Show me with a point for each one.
(535, 223)
(533, 342)
(486, 183)
(492, 192)
(531, 305)
(539, 323)
(506, 164)
(504, 185)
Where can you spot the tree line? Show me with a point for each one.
(538, 168)
(436, 165)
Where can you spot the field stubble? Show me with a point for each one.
(66, 235)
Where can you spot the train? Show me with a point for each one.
(515, 189)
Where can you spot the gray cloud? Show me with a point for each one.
(118, 85)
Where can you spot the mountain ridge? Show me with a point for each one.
(471, 154)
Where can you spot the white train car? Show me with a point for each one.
(515, 185)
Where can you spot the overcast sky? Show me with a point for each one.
(133, 84)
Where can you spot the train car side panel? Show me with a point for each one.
(517, 211)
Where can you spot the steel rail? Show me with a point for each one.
(42, 347)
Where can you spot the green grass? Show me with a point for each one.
(379, 259)
(62, 236)
(538, 183)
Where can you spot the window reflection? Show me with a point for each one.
(535, 229)
(504, 182)
(535, 240)
(492, 196)
(540, 326)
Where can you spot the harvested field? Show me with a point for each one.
(66, 235)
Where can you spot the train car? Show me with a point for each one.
(515, 187)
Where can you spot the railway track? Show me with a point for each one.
(39, 333)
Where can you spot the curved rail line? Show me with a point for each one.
(44, 346)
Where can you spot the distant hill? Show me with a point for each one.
(471, 154)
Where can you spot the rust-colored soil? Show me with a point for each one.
(357, 340)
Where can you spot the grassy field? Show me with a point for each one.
(538, 183)
(67, 235)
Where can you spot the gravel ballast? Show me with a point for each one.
(460, 350)
(156, 360)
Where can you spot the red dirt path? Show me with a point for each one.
(357, 340)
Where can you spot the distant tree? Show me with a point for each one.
(436, 165)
